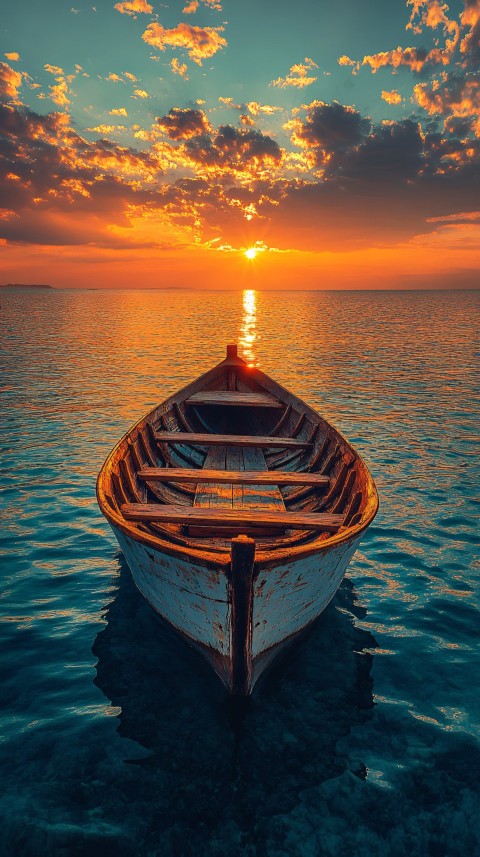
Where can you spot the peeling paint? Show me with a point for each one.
(296, 593)
(195, 603)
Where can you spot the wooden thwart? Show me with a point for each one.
(236, 495)
(233, 477)
(148, 512)
(264, 442)
(234, 397)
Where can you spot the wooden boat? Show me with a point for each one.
(237, 508)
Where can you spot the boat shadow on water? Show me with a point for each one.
(287, 736)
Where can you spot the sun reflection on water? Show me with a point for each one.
(248, 333)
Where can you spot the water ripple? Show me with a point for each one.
(115, 738)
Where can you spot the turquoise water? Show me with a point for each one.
(116, 739)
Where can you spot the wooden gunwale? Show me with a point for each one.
(269, 557)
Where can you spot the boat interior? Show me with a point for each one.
(235, 453)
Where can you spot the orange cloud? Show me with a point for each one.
(351, 185)
(54, 69)
(201, 43)
(106, 129)
(432, 14)
(141, 134)
(461, 40)
(179, 68)
(13, 56)
(60, 91)
(298, 76)
(134, 7)
(10, 82)
(470, 17)
(229, 102)
(392, 96)
(193, 6)
(461, 217)
(454, 97)
(255, 108)
(7, 214)
(140, 93)
(344, 60)
(77, 190)
(118, 111)
(413, 58)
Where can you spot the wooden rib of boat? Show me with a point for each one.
(238, 509)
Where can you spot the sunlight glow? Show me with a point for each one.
(250, 254)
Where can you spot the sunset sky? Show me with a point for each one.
(221, 144)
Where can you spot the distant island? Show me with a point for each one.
(24, 286)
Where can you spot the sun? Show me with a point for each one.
(251, 253)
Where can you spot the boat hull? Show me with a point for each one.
(195, 598)
(242, 561)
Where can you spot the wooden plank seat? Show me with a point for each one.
(233, 477)
(206, 516)
(234, 397)
(235, 495)
(248, 440)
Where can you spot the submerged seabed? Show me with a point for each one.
(116, 739)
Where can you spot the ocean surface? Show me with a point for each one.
(115, 737)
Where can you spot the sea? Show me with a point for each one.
(115, 737)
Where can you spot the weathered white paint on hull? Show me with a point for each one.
(196, 600)
(191, 597)
(290, 596)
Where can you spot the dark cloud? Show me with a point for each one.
(52, 178)
(229, 147)
(245, 145)
(58, 188)
(183, 124)
(346, 144)
(349, 215)
(333, 127)
(459, 127)
(236, 149)
(393, 151)
(379, 184)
